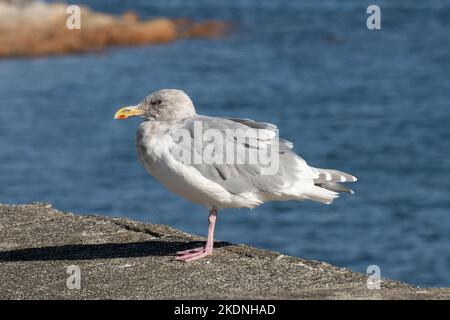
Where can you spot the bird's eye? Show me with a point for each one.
(159, 101)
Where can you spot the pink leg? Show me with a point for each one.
(198, 253)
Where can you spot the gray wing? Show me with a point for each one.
(239, 176)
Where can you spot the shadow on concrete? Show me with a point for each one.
(102, 251)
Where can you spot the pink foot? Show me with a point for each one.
(193, 254)
(180, 253)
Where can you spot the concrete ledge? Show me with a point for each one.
(123, 259)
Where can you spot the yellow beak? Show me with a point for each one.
(127, 112)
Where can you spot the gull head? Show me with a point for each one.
(161, 105)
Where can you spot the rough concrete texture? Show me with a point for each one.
(123, 259)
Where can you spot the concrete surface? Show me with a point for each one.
(123, 259)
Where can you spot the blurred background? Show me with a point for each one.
(371, 103)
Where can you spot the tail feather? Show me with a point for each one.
(336, 187)
(329, 179)
(329, 175)
(321, 195)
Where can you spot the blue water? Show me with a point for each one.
(372, 103)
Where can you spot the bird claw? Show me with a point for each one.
(193, 254)
(180, 253)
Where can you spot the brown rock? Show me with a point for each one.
(36, 29)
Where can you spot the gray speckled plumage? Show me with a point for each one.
(168, 148)
(238, 178)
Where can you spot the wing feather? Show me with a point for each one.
(240, 176)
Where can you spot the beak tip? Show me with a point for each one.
(120, 115)
(127, 112)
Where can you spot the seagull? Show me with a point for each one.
(190, 154)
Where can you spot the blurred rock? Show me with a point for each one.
(33, 28)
